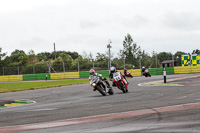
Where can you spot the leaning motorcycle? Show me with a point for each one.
(120, 82)
(128, 74)
(98, 84)
(146, 73)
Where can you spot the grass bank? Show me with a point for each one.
(20, 86)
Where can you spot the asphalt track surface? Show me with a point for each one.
(76, 108)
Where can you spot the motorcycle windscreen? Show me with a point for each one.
(117, 76)
(93, 79)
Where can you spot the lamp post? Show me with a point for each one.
(134, 43)
(63, 66)
(49, 66)
(78, 65)
(92, 62)
(109, 46)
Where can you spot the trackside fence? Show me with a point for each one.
(105, 73)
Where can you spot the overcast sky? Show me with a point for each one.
(87, 25)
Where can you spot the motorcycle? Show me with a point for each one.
(120, 82)
(100, 85)
(128, 74)
(146, 73)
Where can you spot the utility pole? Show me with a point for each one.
(109, 46)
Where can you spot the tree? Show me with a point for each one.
(196, 52)
(19, 57)
(154, 60)
(31, 56)
(178, 56)
(162, 56)
(44, 56)
(67, 59)
(2, 55)
(130, 51)
(101, 57)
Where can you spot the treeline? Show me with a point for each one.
(131, 54)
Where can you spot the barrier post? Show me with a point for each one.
(164, 74)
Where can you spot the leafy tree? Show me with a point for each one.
(74, 55)
(101, 57)
(44, 56)
(2, 55)
(178, 56)
(196, 52)
(19, 57)
(162, 56)
(31, 56)
(67, 59)
(130, 51)
(145, 59)
(154, 60)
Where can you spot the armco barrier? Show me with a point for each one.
(156, 71)
(169, 70)
(36, 76)
(66, 75)
(11, 78)
(159, 71)
(188, 69)
(86, 74)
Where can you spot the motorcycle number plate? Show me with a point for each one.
(117, 77)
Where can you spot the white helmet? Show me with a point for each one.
(112, 69)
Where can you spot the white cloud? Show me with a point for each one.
(77, 25)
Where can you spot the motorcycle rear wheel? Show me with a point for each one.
(111, 92)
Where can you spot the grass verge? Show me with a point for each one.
(20, 86)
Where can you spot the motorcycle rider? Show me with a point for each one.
(143, 69)
(112, 71)
(107, 85)
(126, 73)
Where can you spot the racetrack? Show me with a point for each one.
(143, 109)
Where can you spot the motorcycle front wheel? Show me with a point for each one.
(122, 87)
(101, 90)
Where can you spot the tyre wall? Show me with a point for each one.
(66, 75)
(188, 69)
(11, 78)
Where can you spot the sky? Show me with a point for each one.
(86, 26)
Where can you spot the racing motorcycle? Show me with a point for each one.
(146, 73)
(100, 85)
(128, 74)
(120, 82)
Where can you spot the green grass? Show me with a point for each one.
(20, 86)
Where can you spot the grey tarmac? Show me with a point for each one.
(77, 101)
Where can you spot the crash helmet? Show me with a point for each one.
(125, 69)
(143, 68)
(92, 71)
(113, 70)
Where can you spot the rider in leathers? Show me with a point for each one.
(112, 71)
(105, 83)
